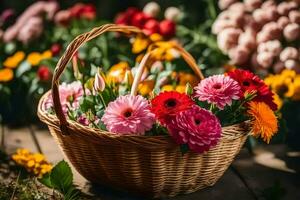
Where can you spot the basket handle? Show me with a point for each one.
(147, 60)
(67, 56)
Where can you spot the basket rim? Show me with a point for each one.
(231, 132)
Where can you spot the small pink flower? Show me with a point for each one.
(291, 32)
(128, 115)
(219, 90)
(228, 39)
(247, 39)
(252, 4)
(99, 83)
(196, 127)
(31, 30)
(239, 55)
(265, 59)
(282, 22)
(69, 95)
(294, 16)
(224, 4)
(289, 53)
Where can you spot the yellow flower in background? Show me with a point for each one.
(264, 121)
(6, 75)
(116, 73)
(278, 101)
(180, 88)
(145, 87)
(34, 58)
(47, 54)
(185, 78)
(167, 88)
(14, 60)
(296, 95)
(288, 73)
(141, 42)
(164, 51)
(35, 163)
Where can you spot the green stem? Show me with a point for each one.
(102, 100)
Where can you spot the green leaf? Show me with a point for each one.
(184, 148)
(62, 177)
(45, 180)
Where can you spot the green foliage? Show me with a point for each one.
(61, 179)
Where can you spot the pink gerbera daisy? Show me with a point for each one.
(198, 128)
(128, 115)
(219, 90)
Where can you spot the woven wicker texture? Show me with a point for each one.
(148, 165)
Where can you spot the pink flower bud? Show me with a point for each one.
(31, 30)
(227, 19)
(289, 53)
(259, 15)
(294, 16)
(62, 17)
(224, 4)
(291, 32)
(228, 39)
(252, 4)
(270, 31)
(291, 64)
(248, 39)
(173, 13)
(283, 22)
(273, 47)
(99, 83)
(278, 67)
(237, 7)
(271, 13)
(152, 9)
(239, 55)
(265, 59)
(285, 7)
(267, 4)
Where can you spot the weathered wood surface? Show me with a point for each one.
(246, 179)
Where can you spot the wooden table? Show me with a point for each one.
(271, 169)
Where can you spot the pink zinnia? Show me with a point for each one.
(196, 127)
(219, 90)
(128, 115)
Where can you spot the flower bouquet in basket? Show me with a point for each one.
(161, 144)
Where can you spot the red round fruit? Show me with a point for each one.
(44, 73)
(55, 49)
(139, 19)
(151, 26)
(167, 28)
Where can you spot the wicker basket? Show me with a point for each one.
(149, 165)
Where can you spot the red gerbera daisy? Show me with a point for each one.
(249, 82)
(167, 105)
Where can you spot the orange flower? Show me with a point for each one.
(6, 75)
(117, 72)
(14, 60)
(34, 58)
(264, 122)
(146, 87)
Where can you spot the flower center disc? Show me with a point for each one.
(217, 86)
(197, 121)
(170, 103)
(127, 113)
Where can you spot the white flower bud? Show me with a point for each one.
(173, 14)
(152, 9)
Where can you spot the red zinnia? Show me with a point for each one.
(167, 105)
(249, 82)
